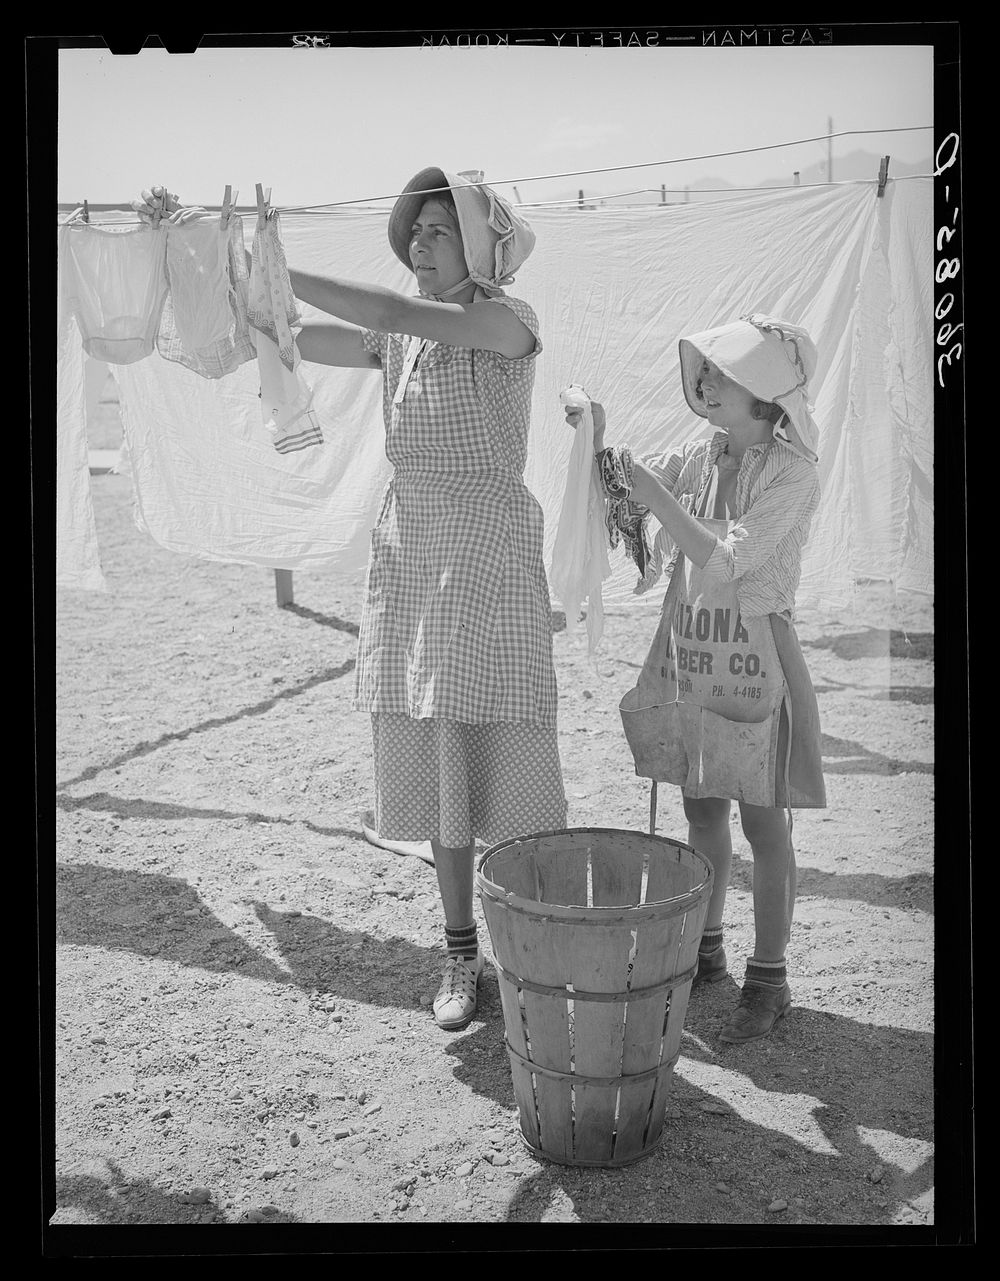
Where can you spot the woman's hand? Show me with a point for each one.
(574, 416)
(158, 204)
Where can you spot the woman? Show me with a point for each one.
(747, 728)
(455, 645)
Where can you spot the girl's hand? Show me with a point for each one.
(574, 416)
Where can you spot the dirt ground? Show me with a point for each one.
(242, 984)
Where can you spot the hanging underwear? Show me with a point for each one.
(204, 323)
(114, 282)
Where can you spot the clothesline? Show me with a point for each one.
(325, 211)
(785, 186)
(575, 173)
(648, 164)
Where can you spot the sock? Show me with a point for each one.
(711, 941)
(462, 942)
(773, 972)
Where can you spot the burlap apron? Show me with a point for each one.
(706, 710)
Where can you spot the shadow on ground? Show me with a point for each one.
(825, 1131)
(119, 1200)
(877, 642)
(214, 722)
(915, 891)
(165, 917)
(858, 759)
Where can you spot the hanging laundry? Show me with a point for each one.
(78, 563)
(286, 399)
(114, 282)
(204, 323)
(580, 555)
(613, 289)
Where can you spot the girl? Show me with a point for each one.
(736, 510)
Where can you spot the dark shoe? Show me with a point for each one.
(760, 1007)
(711, 967)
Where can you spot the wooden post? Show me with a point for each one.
(283, 587)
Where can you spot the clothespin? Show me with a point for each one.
(267, 201)
(86, 212)
(883, 175)
(228, 205)
(261, 206)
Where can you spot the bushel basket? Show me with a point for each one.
(595, 936)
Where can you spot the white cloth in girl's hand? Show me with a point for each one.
(580, 554)
(286, 398)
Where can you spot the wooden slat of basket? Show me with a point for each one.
(539, 951)
(684, 945)
(514, 870)
(616, 871)
(600, 964)
(670, 873)
(640, 1103)
(562, 869)
(671, 1048)
(656, 951)
(499, 924)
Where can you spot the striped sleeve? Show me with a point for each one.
(774, 523)
(679, 470)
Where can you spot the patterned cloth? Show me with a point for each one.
(777, 493)
(273, 314)
(625, 520)
(207, 271)
(459, 783)
(456, 622)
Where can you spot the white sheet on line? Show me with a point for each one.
(78, 564)
(614, 289)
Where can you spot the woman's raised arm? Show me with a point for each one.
(474, 324)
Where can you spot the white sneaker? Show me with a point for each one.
(455, 1003)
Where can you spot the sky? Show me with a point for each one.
(321, 125)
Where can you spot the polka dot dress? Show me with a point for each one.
(456, 783)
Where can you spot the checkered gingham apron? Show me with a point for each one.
(456, 623)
